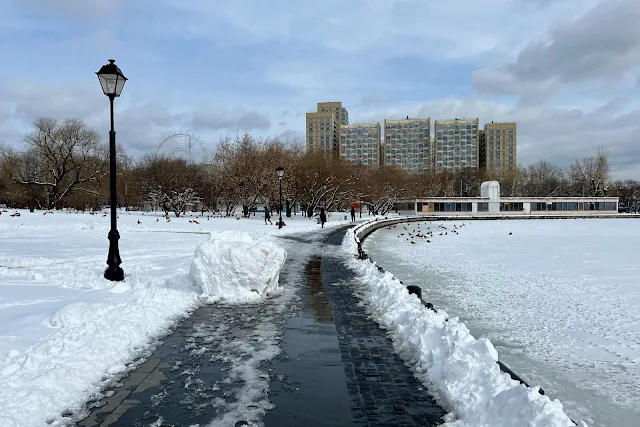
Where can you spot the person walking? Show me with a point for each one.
(353, 214)
(267, 216)
(323, 217)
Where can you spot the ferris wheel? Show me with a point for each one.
(186, 146)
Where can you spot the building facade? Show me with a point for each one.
(323, 128)
(492, 205)
(407, 144)
(456, 145)
(341, 114)
(360, 144)
(498, 149)
(482, 152)
(322, 134)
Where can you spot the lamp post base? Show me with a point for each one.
(114, 272)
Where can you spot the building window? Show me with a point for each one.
(511, 207)
(483, 206)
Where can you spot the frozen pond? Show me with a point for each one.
(560, 300)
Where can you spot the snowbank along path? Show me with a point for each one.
(459, 368)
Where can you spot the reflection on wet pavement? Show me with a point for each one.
(310, 386)
(317, 299)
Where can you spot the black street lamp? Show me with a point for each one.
(280, 172)
(112, 81)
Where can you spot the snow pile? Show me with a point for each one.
(76, 314)
(234, 267)
(449, 360)
(94, 343)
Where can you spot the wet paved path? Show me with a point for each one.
(310, 357)
(382, 389)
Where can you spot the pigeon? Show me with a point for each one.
(139, 222)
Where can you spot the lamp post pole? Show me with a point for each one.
(280, 172)
(113, 272)
(112, 81)
(280, 223)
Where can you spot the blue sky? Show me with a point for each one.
(568, 71)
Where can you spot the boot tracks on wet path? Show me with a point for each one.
(309, 356)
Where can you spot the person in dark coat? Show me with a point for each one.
(267, 216)
(353, 214)
(323, 217)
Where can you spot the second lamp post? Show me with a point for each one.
(280, 172)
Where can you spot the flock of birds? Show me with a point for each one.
(417, 233)
(166, 218)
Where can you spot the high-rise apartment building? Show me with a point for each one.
(407, 144)
(456, 145)
(340, 112)
(322, 133)
(498, 149)
(323, 127)
(482, 152)
(360, 144)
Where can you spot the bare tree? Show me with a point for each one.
(386, 186)
(543, 179)
(589, 176)
(629, 193)
(61, 159)
(324, 182)
(168, 183)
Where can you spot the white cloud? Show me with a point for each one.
(567, 71)
(76, 10)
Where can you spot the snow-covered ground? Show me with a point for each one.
(559, 299)
(64, 330)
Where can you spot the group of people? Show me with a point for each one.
(322, 216)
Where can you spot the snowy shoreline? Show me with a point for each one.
(461, 371)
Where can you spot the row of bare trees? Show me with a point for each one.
(65, 164)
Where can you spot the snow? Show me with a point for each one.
(560, 300)
(65, 331)
(458, 368)
(233, 266)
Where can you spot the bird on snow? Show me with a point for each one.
(139, 222)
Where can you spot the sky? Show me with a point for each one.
(567, 71)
